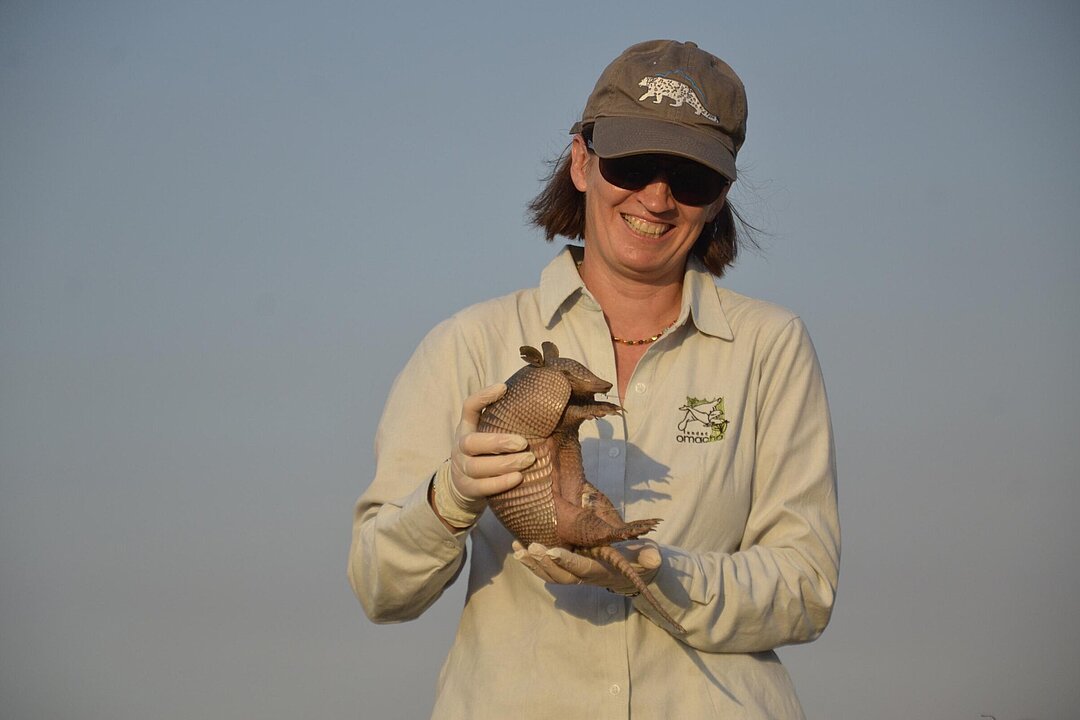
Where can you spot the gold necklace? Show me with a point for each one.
(646, 341)
(643, 341)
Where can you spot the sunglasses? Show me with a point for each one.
(691, 183)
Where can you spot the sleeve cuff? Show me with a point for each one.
(452, 506)
(424, 526)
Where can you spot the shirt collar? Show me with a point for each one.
(701, 300)
(560, 281)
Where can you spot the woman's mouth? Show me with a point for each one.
(644, 227)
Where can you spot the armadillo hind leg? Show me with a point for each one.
(581, 527)
(599, 503)
(612, 557)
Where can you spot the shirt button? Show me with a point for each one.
(614, 689)
(612, 608)
(641, 388)
(613, 452)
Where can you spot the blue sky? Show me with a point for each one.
(225, 226)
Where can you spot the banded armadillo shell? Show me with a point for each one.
(532, 406)
(528, 510)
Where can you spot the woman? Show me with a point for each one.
(726, 436)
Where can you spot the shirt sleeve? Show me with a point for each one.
(402, 556)
(779, 587)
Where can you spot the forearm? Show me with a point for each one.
(402, 556)
(778, 586)
(749, 601)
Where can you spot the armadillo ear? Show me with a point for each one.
(551, 352)
(532, 356)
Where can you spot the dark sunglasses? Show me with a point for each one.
(691, 183)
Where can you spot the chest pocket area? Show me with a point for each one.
(702, 493)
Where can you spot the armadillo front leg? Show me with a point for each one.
(576, 414)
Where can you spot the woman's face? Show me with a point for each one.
(642, 235)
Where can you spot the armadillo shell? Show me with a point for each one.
(528, 510)
(533, 405)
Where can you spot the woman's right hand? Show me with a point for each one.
(483, 464)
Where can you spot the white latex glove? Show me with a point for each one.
(481, 464)
(558, 565)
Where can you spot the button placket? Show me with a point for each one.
(611, 457)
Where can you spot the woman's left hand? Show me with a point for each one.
(561, 566)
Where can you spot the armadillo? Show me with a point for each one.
(546, 402)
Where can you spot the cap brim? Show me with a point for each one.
(620, 136)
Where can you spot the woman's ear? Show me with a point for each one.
(579, 163)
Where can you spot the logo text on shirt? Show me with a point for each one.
(703, 421)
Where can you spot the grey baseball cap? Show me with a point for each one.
(664, 96)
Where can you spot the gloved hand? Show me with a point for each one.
(558, 565)
(480, 464)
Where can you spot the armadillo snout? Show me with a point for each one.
(582, 380)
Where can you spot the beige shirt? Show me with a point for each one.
(726, 436)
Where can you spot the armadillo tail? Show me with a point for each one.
(614, 558)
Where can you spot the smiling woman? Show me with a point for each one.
(726, 435)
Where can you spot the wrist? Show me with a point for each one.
(454, 509)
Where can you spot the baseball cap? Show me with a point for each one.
(663, 96)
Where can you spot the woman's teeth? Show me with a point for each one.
(644, 227)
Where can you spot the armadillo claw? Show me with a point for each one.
(633, 529)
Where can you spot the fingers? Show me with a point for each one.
(649, 558)
(643, 554)
(577, 566)
(489, 465)
(484, 475)
(482, 443)
(531, 562)
(475, 403)
(476, 488)
(561, 566)
(558, 565)
(484, 464)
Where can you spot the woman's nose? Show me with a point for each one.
(656, 196)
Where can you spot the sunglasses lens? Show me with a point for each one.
(694, 184)
(629, 173)
(691, 183)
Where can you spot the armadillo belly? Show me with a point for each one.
(528, 510)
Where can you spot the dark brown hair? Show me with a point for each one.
(559, 209)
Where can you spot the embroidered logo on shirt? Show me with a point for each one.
(664, 87)
(703, 421)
